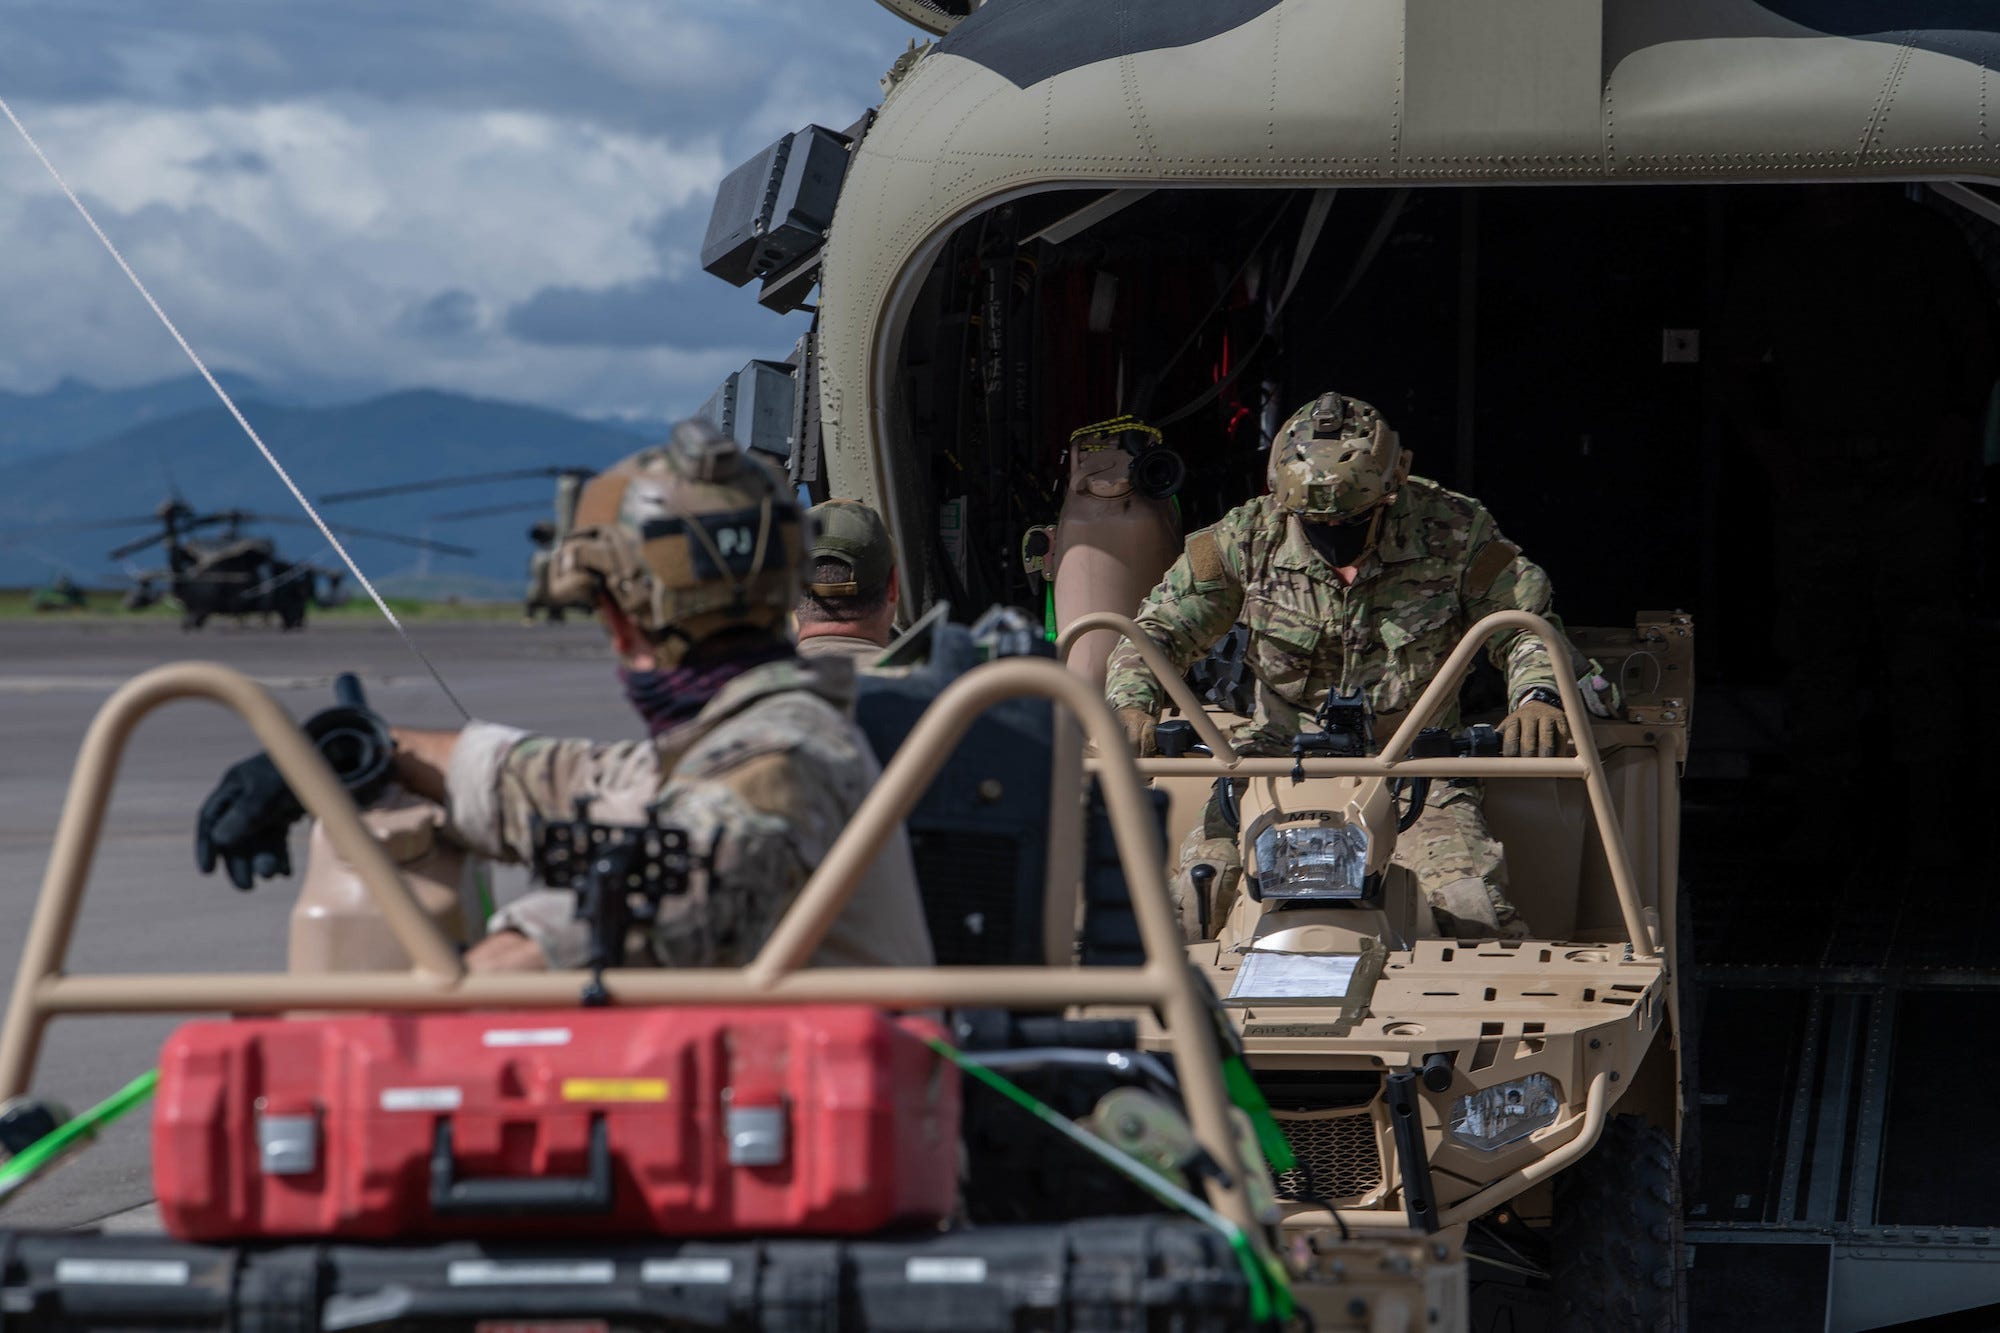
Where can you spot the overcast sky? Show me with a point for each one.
(504, 197)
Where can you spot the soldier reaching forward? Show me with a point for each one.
(1353, 575)
(691, 554)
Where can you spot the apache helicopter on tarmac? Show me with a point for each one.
(238, 575)
(544, 535)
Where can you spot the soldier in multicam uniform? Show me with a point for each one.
(691, 552)
(849, 605)
(1353, 575)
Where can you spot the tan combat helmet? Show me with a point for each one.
(689, 538)
(1336, 461)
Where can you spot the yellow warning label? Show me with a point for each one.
(614, 1089)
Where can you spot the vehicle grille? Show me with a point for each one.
(1338, 1157)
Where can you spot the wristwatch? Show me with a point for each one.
(1540, 694)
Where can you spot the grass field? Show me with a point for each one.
(108, 604)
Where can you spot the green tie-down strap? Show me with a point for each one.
(1270, 1286)
(1242, 1087)
(1249, 1099)
(28, 1163)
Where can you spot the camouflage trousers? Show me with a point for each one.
(1460, 867)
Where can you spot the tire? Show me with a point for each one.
(1615, 1248)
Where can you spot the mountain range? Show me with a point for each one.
(73, 413)
(173, 439)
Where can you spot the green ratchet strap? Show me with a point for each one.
(1049, 611)
(1270, 1287)
(1244, 1093)
(28, 1163)
(1249, 1099)
(483, 883)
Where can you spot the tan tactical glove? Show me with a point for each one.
(1139, 728)
(1537, 729)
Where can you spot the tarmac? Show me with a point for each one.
(146, 908)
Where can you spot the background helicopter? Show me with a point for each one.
(544, 535)
(237, 575)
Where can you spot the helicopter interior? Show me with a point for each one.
(1595, 364)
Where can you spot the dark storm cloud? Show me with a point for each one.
(239, 162)
(449, 314)
(701, 66)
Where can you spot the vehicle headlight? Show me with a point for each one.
(1505, 1113)
(1312, 861)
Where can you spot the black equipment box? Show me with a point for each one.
(1100, 1276)
(772, 212)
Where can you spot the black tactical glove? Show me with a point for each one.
(245, 821)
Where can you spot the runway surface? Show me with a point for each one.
(146, 908)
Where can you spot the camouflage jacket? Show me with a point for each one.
(767, 774)
(1440, 565)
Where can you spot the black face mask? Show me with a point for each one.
(666, 698)
(1342, 544)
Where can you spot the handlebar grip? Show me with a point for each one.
(589, 1193)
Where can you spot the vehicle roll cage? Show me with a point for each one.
(1582, 1129)
(438, 979)
(1585, 765)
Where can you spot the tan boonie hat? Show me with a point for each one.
(690, 538)
(853, 534)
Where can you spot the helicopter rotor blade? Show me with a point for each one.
(488, 511)
(119, 553)
(441, 483)
(91, 525)
(373, 534)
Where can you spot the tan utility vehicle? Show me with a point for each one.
(1396, 1277)
(1443, 1084)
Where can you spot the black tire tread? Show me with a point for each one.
(1616, 1240)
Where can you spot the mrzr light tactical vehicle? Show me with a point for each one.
(1193, 1242)
(1518, 1094)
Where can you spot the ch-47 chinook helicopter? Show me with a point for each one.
(543, 536)
(1203, 215)
(237, 574)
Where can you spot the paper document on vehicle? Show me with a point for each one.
(1294, 976)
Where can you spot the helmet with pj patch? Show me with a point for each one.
(1336, 461)
(690, 539)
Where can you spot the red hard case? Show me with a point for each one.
(711, 1121)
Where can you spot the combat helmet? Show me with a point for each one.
(1336, 461)
(689, 539)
